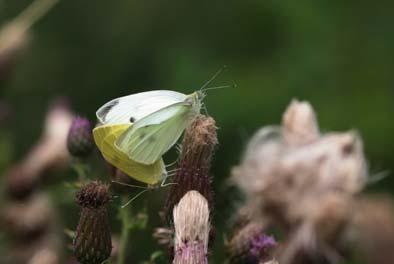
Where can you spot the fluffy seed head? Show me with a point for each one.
(191, 220)
(299, 123)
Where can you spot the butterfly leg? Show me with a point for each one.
(172, 163)
(204, 107)
(130, 185)
(135, 197)
(164, 184)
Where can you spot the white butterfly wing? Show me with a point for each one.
(149, 138)
(134, 107)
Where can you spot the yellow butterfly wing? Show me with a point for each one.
(105, 137)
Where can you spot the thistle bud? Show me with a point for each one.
(191, 220)
(92, 244)
(80, 140)
(195, 161)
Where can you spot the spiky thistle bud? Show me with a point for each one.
(191, 220)
(195, 161)
(250, 245)
(80, 140)
(92, 244)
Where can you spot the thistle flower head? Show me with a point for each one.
(302, 182)
(80, 140)
(191, 220)
(93, 195)
(195, 160)
(261, 244)
(92, 244)
(250, 244)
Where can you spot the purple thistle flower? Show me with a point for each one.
(250, 244)
(261, 246)
(80, 140)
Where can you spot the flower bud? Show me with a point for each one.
(92, 244)
(80, 140)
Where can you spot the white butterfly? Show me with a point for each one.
(158, 117)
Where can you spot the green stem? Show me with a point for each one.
(82, 170)
(125, 217)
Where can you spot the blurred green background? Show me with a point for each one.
(339, 55)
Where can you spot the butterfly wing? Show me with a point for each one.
(150, 137)
(131, 108)
(105, 137)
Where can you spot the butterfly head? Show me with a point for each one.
(195, 99)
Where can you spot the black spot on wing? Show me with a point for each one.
(132, 119)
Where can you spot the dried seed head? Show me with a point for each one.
(195, 161)
(333, 162)
(302, 182)
(191, 220)
(92, 244)
(80, 140)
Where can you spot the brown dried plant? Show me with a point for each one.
(304, 183)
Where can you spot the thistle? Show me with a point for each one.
(250, 245)
(195, 161)
(80, 140)
(303, 183)
(191, 220)
(92, 244)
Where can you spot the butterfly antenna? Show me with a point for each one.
(213, 77)
(129, 185)
(132, 199)
(219, 87)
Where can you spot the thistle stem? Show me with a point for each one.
(82, 170)
(125, 217)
